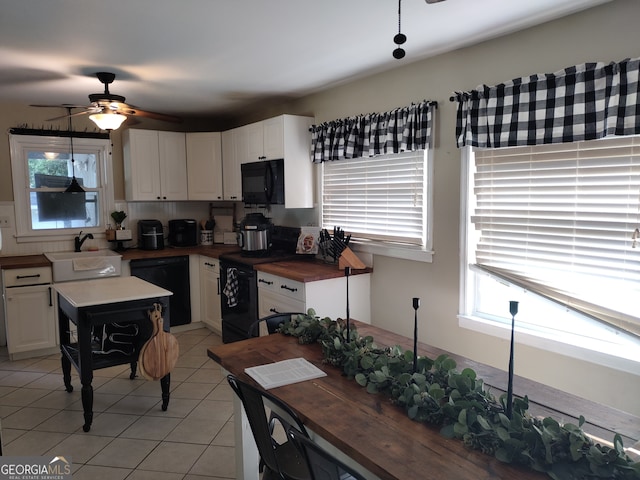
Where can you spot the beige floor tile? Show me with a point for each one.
(20, 379)
(101, 401)
(173, 457)
(226, 436)
(180, 374)
(96, 472)
(222, 392)
(136, 405)
(57, 399)
(207, 409)
(203, 375)
(110, 424)
(194, 391)
(196, 430)
(67, 421)
(191, 361)
(22, 397)
(151, 475)
(122, 386)
(33, 443)
(50, 381)
(80, 447)
(27, 418)
(10, 434)
(178, 407)
(218, 460)
(124, 453)
(151, 428)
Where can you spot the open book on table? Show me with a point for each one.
(285, 372)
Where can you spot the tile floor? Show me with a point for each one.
(131, 437)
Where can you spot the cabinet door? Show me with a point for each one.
(31, 321)
(270, 303)
(173, 165)
(273, 131)
(204, 166)
(253, 138)
(210, 294)
(231, 179)
(142, 175)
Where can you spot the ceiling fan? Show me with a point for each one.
(108, 110)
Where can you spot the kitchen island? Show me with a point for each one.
(376, 437)
(93, 303)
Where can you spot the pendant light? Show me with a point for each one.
(399, 38)
(74, 186)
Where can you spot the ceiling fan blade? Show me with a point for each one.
(135, 111)
(77, 114)
(62, 105)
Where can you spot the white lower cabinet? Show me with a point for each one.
(30, 311)
(210, 312)
(327, 297)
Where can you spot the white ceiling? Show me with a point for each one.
(207, 57)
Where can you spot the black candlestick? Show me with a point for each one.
(347, 271)
(416, 305)
(513, 309)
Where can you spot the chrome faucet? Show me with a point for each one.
(79, 241)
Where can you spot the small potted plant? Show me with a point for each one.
(118, 217)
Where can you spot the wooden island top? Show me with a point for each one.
(380, 436)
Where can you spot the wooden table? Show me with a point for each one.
(89, 303)
(378, 436)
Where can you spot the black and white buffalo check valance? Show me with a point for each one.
(401, 130)
(584, 102)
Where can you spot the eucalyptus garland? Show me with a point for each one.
(458, 402)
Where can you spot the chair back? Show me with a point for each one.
(322, 465)
(253, 402)
(272, 323)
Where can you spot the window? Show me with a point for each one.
(42, 169)
(383, 201)
(552, 227)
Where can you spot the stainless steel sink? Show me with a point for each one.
(68, 266)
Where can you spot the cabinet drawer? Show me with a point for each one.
(281, 286)
(210, 264)
(270, 303)
(27, 276)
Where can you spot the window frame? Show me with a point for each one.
(600, 351)
(20, 145)
(423, 253)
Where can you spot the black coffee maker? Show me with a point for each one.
(150, 235)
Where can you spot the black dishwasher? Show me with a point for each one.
(171, 273)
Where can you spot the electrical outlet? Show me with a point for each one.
(5, 221)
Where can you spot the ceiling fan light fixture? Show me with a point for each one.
(108, 121)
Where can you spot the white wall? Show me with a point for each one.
(607, 33)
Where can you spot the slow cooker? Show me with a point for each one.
(254, 236)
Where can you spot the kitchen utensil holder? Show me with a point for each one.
(206, 237)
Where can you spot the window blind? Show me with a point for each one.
(377, 198)
(559, 220)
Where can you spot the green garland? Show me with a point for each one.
(457, 401)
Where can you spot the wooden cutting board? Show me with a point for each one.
(160, 353)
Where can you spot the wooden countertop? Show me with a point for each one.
(213, 251)
(24, 261)
(305, 270)
(381, 437)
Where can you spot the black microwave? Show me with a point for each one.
(263, 182)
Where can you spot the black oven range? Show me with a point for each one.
(238, 281)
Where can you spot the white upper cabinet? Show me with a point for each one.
(204, 166)
(285, 136)
(231, 158)
(155, 165)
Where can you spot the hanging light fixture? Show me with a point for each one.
(400, 38)
(108, 121)
(74, 186)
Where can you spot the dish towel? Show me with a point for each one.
(231, 287)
